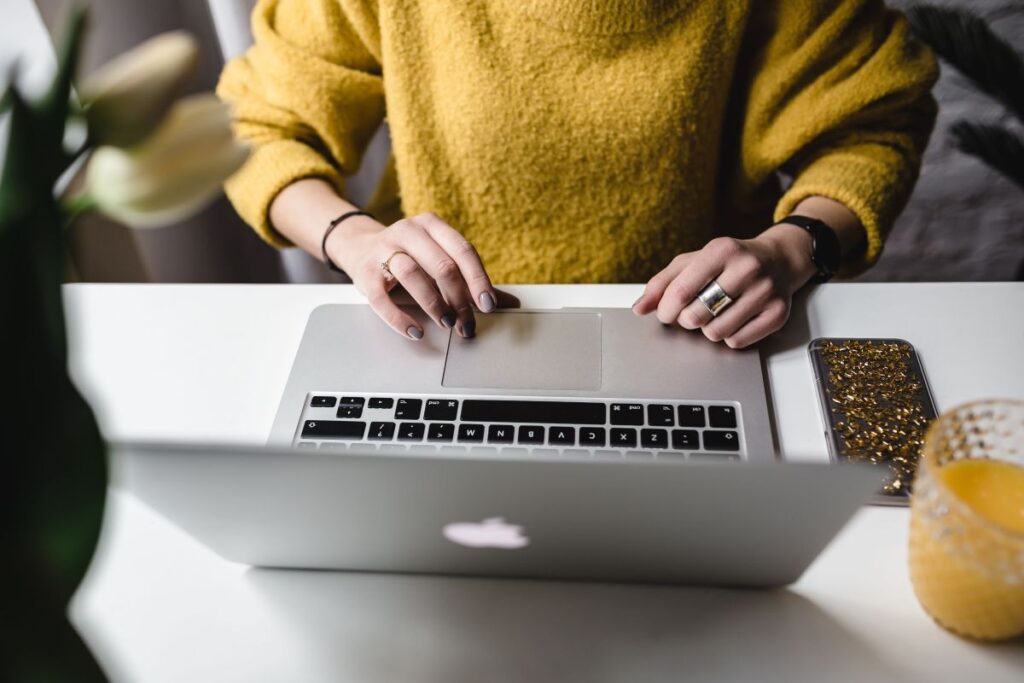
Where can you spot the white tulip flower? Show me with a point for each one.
(127, 98)
(173, 173)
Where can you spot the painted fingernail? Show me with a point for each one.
(414, 332)
(486, 302)
(448, 319)
(469, 329)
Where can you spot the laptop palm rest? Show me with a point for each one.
(528, 350)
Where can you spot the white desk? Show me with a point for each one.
(209, 363)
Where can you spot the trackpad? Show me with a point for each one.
(525, 350)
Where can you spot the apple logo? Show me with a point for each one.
(493, 532)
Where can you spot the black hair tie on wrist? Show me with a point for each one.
(330, 228)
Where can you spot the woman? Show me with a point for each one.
(585, 141)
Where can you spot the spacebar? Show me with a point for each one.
(541, 412)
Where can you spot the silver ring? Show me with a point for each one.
(714, 298)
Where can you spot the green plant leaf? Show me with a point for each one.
(54, 105)
(968, 43)
(997, 146)
(20, 184)
(52, 110)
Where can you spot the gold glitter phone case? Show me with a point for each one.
(876, 406)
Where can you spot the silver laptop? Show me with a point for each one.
(701, 522)
(592, 383)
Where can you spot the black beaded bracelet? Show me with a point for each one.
(330, 228)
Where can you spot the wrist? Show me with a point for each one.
(791, 246)
(343, 242)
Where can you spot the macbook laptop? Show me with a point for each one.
(599, 383)
(575, 444)
(713, 522)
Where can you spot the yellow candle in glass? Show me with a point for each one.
(967, 521)
(992, 488)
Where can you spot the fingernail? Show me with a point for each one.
(414, 332)
(469, 329)
(637, 301)
(448, 319)
(486, 302)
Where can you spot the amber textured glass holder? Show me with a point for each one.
(966, 568)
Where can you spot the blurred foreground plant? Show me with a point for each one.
(172, 159)
(966, 42)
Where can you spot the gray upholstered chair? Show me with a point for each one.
(231, 20)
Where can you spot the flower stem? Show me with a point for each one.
(75, 206)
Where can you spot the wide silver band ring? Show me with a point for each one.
(714, 298)
(385, 265)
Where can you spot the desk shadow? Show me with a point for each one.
(427, 628)
(796, 334)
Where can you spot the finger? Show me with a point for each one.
(447, 276)
(419, 286)
(706, 265)
(380, 301)
(739, 275)
(681, 292)
(465, 255)
(754, 300)
(769, 320)
(656, 286)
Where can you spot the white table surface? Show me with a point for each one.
(209, 362)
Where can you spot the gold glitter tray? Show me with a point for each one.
(876, 406)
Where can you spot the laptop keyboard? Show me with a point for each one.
(612, 429)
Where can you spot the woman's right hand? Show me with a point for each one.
(432, 261)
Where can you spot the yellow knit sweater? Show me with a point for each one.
(588, 140)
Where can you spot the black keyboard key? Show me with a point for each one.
(660, 415)
(721, 441)
(441, 409)
(654, 438)
(471, 433)
(353, 401)
(501, 433)
(408, 409)
(627, 414)
(530, 434)
(349, 411)
(592, 436)
(411, 431)
(561, 436)
(623, 438)
(322, 401)
(381, 431)
(722, 417)
(333, 429)
(542, 412)
(691, 416)
(685, 439)
(382, 402)
(441, 431)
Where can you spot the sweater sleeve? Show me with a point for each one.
(307, 96)
(838, 97)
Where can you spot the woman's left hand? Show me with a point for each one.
(759, 274)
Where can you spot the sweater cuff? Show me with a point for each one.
(862, 185)
(272, 167)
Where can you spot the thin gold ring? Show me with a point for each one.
(385, 265)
